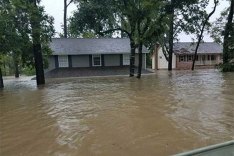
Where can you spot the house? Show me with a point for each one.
(209, 54)
(102, 52)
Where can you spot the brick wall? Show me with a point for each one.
(188, 65)
(183, 65)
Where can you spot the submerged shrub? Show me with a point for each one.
(227, 67)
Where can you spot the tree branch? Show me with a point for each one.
(202, 30)
(69, 3)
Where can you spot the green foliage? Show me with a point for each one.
(7, 64)
(97, 18)
(227, 67)
(16, 30)
(223, 33)
(92, 16)
(218, 26)
(148, 61)
(28, 71)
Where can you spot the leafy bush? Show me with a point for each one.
(228, 67)
(28, 71)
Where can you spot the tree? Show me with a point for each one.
(104, 17)
(149, 24)
(4, 36)
(223, 33)
(134, 18)
(201, 30)
(229, 28)
(66, 4)
(36, 19)
(176, 11)
(26, 28)
(171, 33)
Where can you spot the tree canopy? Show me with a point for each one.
(18, 18)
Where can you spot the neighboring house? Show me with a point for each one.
(209, 54)
(103, 52)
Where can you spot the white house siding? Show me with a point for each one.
(153, 58)
(112, 60)
(162, 62)
(143, 60)
(80, 61)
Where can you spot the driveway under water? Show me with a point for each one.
(161, 114)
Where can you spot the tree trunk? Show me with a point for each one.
(4, 67)
(171, 31)
(16, 70)
(201, 33)
(16, 64)
(38, 64)
(1, 79)
(226, 55)
(132, 58)
(35, 23)
(140, 60)
(65, 19)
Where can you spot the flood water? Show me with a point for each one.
(161, 114)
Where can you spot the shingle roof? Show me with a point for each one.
(78, 46)
(204, 48)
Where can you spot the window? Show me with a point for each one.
(213, 57)
(126, 59)
(182, 58)
(96, 60)
(203, 57)
(189, 57)
(63, 61)
(208, 57)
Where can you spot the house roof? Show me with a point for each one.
(204, 48)
(79, 46)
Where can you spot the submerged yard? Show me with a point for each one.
(161, 114)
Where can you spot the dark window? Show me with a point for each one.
(208, 57)
(213, 57)
(96, 60)
(203, 57)
(181, 58)
(189, 57)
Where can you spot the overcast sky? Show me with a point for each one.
(55, 9)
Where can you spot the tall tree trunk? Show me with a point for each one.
(140, 60)
(226, 55)
(38, 64)
(16, 70)
(65, 19)
(201, 33)
(35, 23)
(132, 58)
(16, 65)
(171, 32)
(4, 67)
(1, 79)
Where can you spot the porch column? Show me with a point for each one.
(90, 61)
(102, 60)
(70, 61)
(121, 60)
(56, 61)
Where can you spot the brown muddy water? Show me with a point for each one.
(161, 114)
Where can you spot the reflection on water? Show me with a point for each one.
(161, 114)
